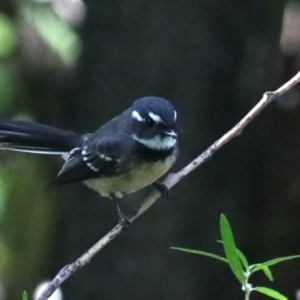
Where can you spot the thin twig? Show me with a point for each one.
(170, 181)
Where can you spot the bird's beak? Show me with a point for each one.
(171, 133)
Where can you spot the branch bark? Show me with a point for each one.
(170, 181)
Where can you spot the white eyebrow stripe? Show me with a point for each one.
(175, 115)
(155, 118)
(137, 116)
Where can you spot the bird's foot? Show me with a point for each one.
(161, 188)
(124, 222)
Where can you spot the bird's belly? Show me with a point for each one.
(132, 181)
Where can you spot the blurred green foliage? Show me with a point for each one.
(56, 33)
(25, 297)
(32, 39)
(7, 36)
(8, 40)
(8, 84)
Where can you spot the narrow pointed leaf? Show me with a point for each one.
(268, 273)
(199, 252)
(24, 296)
(230, 249)
(241, 255)
(274, 262)
(271, 293)
(242, 258)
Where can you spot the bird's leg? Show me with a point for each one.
(161, 188)
(124, 222)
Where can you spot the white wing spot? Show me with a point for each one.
(175, 115)
(83, 152)
(92, 167)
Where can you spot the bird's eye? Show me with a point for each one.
(150, 122)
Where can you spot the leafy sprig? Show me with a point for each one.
(239, 265)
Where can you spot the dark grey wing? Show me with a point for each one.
(95, 158)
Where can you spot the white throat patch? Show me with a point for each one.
(157, 143)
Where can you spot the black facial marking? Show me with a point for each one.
(150, 122)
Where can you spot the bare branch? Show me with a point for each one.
(170, 181)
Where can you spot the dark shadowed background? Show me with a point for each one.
(75, 65)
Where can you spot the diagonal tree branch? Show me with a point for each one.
(170, 181)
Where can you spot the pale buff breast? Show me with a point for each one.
(133, 181)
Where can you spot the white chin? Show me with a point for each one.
(158, 143)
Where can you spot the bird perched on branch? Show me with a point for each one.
(126, 154)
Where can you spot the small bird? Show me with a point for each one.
(126, 154)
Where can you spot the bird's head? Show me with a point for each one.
(153, 123)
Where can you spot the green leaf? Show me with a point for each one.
(274, 262)
(271, 293)
(199, 252)
(24, 296)
(231, 250)
(242, 258)
(268, 273)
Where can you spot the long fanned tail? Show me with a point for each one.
(35, 138)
